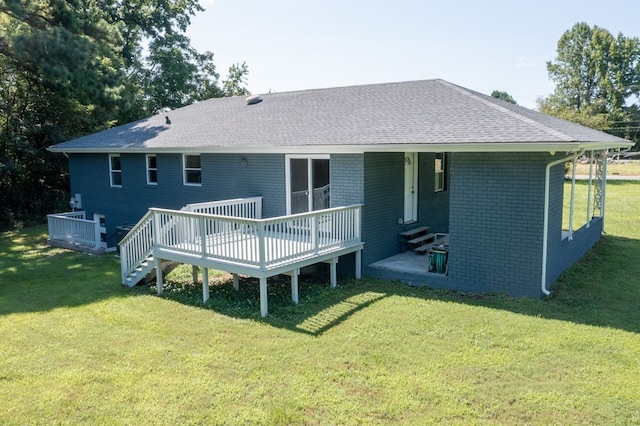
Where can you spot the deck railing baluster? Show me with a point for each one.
(260, 243)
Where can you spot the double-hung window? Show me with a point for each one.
(115, 171)
(440, 178)
(192, 169)
(152, 170)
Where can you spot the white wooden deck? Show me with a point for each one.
(259, 248)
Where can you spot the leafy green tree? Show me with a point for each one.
(498, 94)
(596, 74)
(233, 85)
(78, 66)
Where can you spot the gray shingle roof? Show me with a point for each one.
(428, 115)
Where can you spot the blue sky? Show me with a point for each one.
(482, 45)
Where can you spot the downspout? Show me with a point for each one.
(589, 191)
(573, 197)
(545, 230)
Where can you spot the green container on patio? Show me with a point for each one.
(438, 260)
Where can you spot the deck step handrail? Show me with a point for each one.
(137, 245)
(74, 228)
(266, 243)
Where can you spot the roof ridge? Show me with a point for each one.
(347, 86)
(513, 114)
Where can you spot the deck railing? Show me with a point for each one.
(258, 243)
(138, 244)
(74, 228)
(240, 207)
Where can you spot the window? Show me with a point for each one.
(439, 172)
(115, 171)
(152, 170)
(192, 170)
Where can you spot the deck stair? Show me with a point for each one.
(136, 248)
(146, 271)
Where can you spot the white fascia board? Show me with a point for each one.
(552, 147)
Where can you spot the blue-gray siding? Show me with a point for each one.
(223, 177)
(384, 202)
(496, 221)
(492, 206)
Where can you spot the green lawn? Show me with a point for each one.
(620, 168)
(77, 347)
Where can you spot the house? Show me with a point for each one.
(484, 176)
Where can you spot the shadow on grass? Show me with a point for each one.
(602, 289)
(35, 277)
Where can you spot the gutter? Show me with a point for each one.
(545, 231)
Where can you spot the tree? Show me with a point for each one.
(77, 66)
(595, 74)
(504, 96)
(234, 83)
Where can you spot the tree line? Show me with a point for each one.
(74, 67)
(597, 81)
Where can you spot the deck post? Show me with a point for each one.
(314, 233)
(236, 282)
(333, 271)
(294, 285)
(159, 275)
(261, 246)
(205, 285)
(96, 231)
(194, 273)
(264, 310)
(358, 264)
(203, 237)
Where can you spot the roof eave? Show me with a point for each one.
(552, 147)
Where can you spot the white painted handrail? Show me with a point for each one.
(259, 243)
(240, 207)
(73, 228)
(138, 244)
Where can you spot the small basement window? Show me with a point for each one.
(115, 171)
(192, 172)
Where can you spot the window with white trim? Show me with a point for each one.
(115, 171)
(439, 172)
(152, 170)
(192, 169)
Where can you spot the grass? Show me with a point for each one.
(79, 348)
(621, 206)
(620, 168)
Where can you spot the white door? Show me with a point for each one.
(410, 187)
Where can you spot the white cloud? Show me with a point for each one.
(523, 62)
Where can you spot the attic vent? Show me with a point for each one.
(255, 99)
